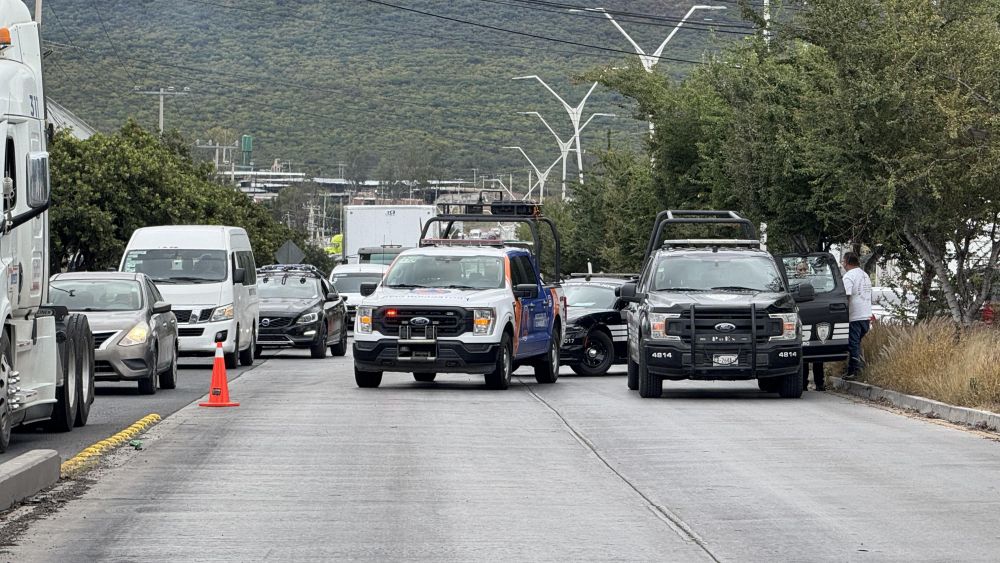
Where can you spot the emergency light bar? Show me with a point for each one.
(501, 207)
(462, 242)
(742, 243)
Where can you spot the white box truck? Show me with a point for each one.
(375, 226)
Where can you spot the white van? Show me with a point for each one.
(208, 275)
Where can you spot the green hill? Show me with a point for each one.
(319, 82)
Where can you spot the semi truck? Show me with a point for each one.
(46, 354)
(391, 226)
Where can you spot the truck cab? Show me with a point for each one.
(476, 306)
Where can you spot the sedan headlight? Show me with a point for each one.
(483, 321)
(364, 320)
(658, 326)
(136, 335)
(789, 326)
(308, 318)
(223, 313)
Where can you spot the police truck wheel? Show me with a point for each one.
(367, 379)
(499, 378)
(598, 355)
(791, 385)
(770, 384)
(147, 385)
(650, 385)
(246, 356)
(424, 377)
(80, 326)
(64, 414)
(633, 374)
(340, 348)
(5, 414)
(547, 368)
(318, 349)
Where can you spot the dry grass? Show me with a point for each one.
(933, 359)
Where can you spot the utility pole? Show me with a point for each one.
(220, 152)
(163, 92)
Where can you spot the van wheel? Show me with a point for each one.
(547, 368)
(147, 385)
(5, 415)
(80, 326)
(232, 358)
(650, 385)
(246, 356)
(367, 379)
(67, 394)
(499, 378)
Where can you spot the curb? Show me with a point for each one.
(82, 459)
(981, 420)
(26, 475)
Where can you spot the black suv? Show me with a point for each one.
(300, 309)
(713, 309)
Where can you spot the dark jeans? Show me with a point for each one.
(818, 378)
(858, 331)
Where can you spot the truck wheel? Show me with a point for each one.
(80, 326)
(499, 378)
(67, 394)
(547, 368)
(246, 356)
(367, 379)
(769, 384)
(424, 377)
(650, 386)
(791, 385)
(633, 374)
(5, 414)
(598, 355)
(168, 379)
(340, 348)
(147, 385)
(318, 349)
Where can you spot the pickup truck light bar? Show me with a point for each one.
(462, 242)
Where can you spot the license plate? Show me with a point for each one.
(723, 360)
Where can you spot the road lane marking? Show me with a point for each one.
(87, 455)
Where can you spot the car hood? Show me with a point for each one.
(681, 300)
(433, 296)
(104, 321)
(574, 313)
(195, 294)
(352, 298)
(285, 306)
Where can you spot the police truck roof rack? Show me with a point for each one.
(279, 268)
(489, 210)
(664, 219)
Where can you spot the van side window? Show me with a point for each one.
(244, 259)
(10, 166)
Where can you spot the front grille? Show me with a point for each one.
(265, 338)
(705, 321)
(186, 331)
(182, 315)
(103, 366)
(450, 321)
(102, 337)
(275, 322)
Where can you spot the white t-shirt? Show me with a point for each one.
(859, 293)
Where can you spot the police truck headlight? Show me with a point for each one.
(789, 326)
(658, 326)
(483, 321)
(137, 335)
(308, 318)
(223, 313)
(364, 321)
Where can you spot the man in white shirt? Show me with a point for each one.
(859, 295)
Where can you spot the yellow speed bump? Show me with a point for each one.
(93, 452)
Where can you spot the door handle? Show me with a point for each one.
(838, 307)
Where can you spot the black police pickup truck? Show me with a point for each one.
(713, 309)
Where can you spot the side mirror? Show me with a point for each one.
(161, 307)
(627, 292)
(332, 297)
(804, 292)
(368, 288)
(526, 291)
(239, 276)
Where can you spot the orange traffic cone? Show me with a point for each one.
(218, 393)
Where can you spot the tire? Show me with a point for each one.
(68, 394)
(367, 379)
(340, 348)
(424, 377)
(6, 422)
(168, 379)
(499, 378)
(791, 385)
(633, 375)
(601, 343)
(769, 384)
(147, 385)
(258, 351)
(650, 386)
(318, 349)
(79, 325)
(247, 356)
(547, 368)
(232, 358)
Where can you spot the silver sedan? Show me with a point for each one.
(135, 333)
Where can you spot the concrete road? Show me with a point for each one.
(312, 468)
(118, 405)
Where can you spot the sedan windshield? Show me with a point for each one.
(716, 272)
(170, 265)
(351, 283)
(590, 296)
(288, 287)
(456, 272)
(97, 295)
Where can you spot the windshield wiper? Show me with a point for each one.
(455, 286)
(737, 288)
(405, 286)
(679, 289)
(162, 280)
(192, 279)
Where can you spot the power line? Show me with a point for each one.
(93, 4)
(580, 12)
